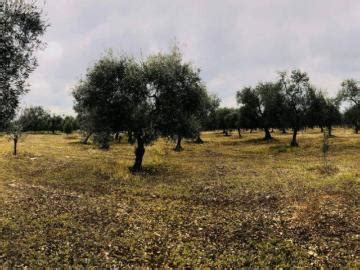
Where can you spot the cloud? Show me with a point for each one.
(235, 43)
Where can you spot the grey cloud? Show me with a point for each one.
(234, 43)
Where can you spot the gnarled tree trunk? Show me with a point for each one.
(15, 146)
(116, 136)
(330, 131)
(87, 137)
(294, 142)
(178, 146)
(139, 154)
(198, 140)
(130, 137)
(239, 132)
(267, 134)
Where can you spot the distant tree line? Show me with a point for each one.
(165, 96)
(37, 119)
(290, 103)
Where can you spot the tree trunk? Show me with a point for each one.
(226, 132)
(178, 146)
(330, 131)
(321, 129)
(15, 147)
(139, 154)
(283, 131)
(239, 131)
(294, 142)
(116, 137)
(251, 130)
(267, 134)
(199, 140)
(85, 141)
(130, 137)
(357, 128)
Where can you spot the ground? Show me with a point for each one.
(226, 203)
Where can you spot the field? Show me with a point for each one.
(229, 202)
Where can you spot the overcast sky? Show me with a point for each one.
(234, 43)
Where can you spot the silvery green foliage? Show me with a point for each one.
(21, 27)
(350, 94)
(181, 99)
(102, 139)
(295, 87)
(350, 91)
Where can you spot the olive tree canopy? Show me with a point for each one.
(21, 27)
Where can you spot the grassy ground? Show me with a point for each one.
(227, 203)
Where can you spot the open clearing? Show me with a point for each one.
(227, 203)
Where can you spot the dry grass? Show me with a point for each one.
(227, 203)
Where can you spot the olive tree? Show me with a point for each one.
(55, 123)
(115, 96)
(69, 125)
(352, 117)
(225, 120)
(350, 93)
(21, 27)
(15, 132)
(232, 120)
(316, 108)
(35, 119)
(295, 87)
(179, 93)
(210, 121)
(262, 107)
(206, 113)
(332, 115)
(102, 99)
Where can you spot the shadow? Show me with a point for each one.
(149, 170)
(232, 143)
(71, 137)
(325, 170)
(280, 148)
(261, 141)
(80, 143)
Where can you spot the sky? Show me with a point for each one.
(234, 43)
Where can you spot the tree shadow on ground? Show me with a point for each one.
(150, 170)
(261, 141)
(283, 148)
(71, 137)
